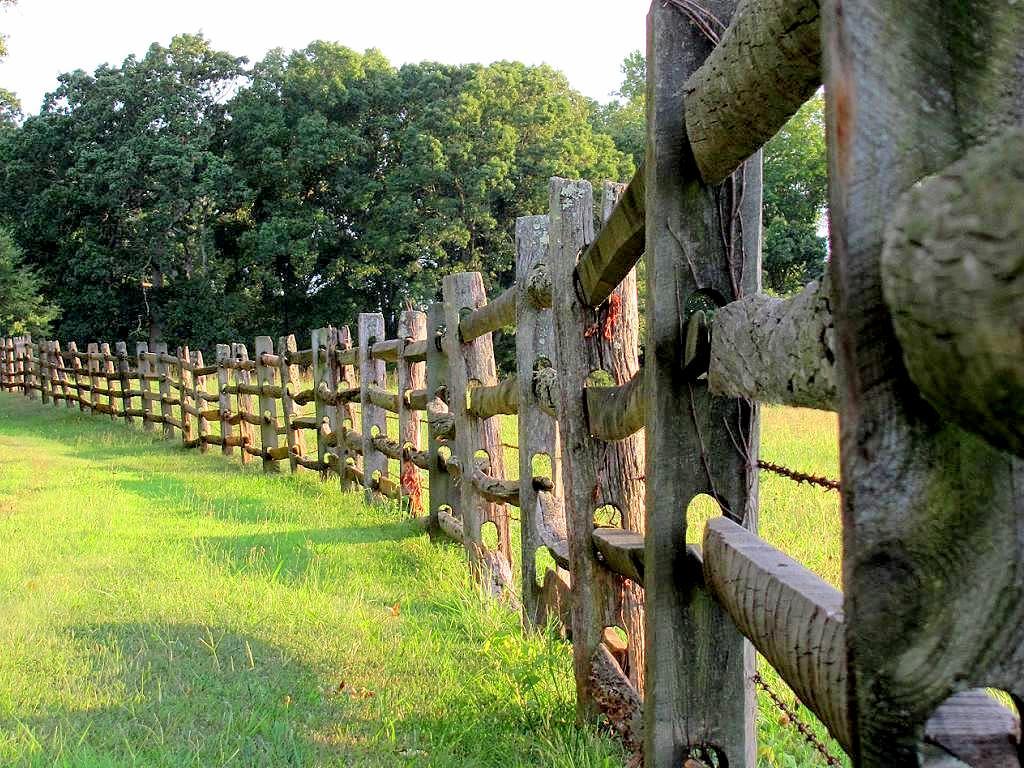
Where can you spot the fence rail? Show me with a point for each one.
(931, 492)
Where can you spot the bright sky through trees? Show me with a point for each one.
(586, 39)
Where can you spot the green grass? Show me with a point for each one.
(160, 607)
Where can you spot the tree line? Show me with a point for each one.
(185, 195)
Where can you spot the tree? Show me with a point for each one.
(625, 118)
(22, 306)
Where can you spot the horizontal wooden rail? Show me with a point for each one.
(615, 413)
(621, 551)
(493, 400)
(382, 398)
(494, 315)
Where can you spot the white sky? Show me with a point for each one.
(586, 39)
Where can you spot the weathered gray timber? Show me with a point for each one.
(442, 493)
(766, 66)
(124, 376)
(472, 364)
(143, 368)
(185, 394)
(538, 432)
(615, 413)
(933, 565)
(493, 316)
(793, 616)
(776, 350)
(374, 419)
(503, 397)
(286, 347)
(579, 351)
(265, 377)
(199, 396)
(320, 341)
(240, 355)
(692, 710)
(619, 245)
(42, 372)
(953, 278)
(107, 368)
(163, 387)
(412, 326)
(224, 401)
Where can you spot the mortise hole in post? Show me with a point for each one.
(489, 535)
(375, 431)
(608, 516)
(444, 453)
(540, 465)
(701, 508)
(705, 755)
(542, 563)
(482, 455)
(704, 300)
(599, 378)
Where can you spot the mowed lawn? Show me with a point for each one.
(164, 608)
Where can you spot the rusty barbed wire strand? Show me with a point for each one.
(796, 722)
(799, 477)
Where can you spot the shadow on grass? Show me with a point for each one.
(177, 694)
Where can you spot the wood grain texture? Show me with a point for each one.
(777, 350)
(286, 347)
(243, 378)
(610, 258)
(224, 399)
(933, 525)
(503, 397)
(162, 370)
(185, 395)
(374, 419)
(443, 495)
(953, 278)
(538, 431)
(412, 327)
(767, 64)
(689, 704)
(792, 616)
(266, 376)
(493, 316)
(471, 364)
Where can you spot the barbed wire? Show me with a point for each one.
(793, 719)
(799, 477)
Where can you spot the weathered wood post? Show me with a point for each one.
(469, 365)
(93, 363)
(61, 370)
(343, 376)
(24, 379)
(200, 398)
(286, 347)
(186, 396)
(8, 360)
(42, 372)
(700, 241)
(264, 347)
(933, 565)
(109, 371)
(52, 374)
(374, 418)
(538, 430)
(76, 366)
(124, 370)
(143, 370)
(159, 356)
(320, 341)
(412, 326)
(442, 492)
(240, 356)
(224, 401)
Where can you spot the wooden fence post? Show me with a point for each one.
(933, 556)
(374, 418)
(286, 346)
(186, 396)
(344, 376)
(42, 372)
(412, 326)
(8, 359)
(268, 405)
(471, 365)
(245, 415)
(124, 369)
(701, 243)
(538, 431)
(21, 353)
(76, 366)
(320, 341)
(142, 370)
(63, 373)
(224, 399)
(200, 397)
(52, 385)
(106, 370)
(442, 494)
(93, 363)
(158, 355)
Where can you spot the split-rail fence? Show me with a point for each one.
(913, 336)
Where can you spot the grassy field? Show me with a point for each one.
(166, 608)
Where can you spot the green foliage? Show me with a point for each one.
(22, 307)
(795, 196)
(625, 118)
(184, 197)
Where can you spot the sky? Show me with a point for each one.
(586, 39)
